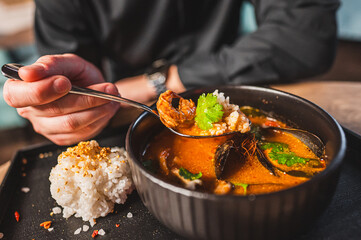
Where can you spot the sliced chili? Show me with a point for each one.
(46, 224)
(17, 216)
(95, 233)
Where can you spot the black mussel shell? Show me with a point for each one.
(265, 161)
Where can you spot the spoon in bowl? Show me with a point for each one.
(312, 141)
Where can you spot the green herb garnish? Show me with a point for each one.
(188, 175)
(244, 185)
(208, 111)
(280, 152)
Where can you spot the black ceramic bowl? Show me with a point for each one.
(267, 216)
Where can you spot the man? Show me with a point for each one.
(193, 43)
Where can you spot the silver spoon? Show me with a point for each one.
(11, 70)
(312, 141)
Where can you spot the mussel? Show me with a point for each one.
(309, 166)
(307, 170)
(240, 145)
(264, 160)
(243, 145)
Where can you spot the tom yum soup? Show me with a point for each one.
(250, 161)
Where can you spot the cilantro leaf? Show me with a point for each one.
(208, 111)
(188, 175)
(281, 153)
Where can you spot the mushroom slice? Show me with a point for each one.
(189, 184)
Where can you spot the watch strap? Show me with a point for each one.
(157, 81)
(157, 75)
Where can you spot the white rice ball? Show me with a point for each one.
(89, 179)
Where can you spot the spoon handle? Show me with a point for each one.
(98, 94)
(11, 70)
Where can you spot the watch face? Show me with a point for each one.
(158, 75)
(157, 78)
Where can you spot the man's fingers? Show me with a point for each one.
(32, 72)
(75, 121)
(20, 94)
(81, 135)
(79, 71)
(74, 102)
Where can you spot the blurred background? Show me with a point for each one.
(17, 45)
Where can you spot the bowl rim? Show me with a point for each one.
(334, 164)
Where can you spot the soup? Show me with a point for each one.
(255, 162)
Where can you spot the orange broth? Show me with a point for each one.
(197, 155)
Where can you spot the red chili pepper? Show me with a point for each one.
(17, 216)
(95, 233)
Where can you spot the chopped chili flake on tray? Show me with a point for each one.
(95, 233)
(46, 224)
(117, 225)
(17, 216)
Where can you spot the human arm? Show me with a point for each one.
(295, 39)
(76, 27)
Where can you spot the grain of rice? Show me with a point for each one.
(101, 232)
(56, 210)
(85, 228)
(77, 231)
(129, 215)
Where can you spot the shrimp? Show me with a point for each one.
(175, 117)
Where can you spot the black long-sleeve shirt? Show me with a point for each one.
(295, 38)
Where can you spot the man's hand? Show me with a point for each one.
(42, 98)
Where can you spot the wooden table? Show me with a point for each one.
(341, 99)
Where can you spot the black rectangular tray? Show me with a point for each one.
(342, 219)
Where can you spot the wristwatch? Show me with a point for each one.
(157, 75)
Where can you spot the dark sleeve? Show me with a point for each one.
(61, 27)
(295, 39)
